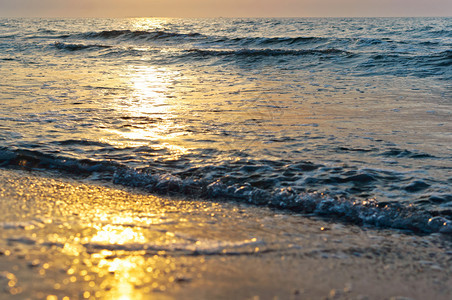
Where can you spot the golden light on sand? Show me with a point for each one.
(128, 273)
(126, 268)
(118, 235)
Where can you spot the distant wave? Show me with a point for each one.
(364, 63)
(130, 34)
(266, 52)
(441, 33)
(10, 36)
(443, 59)
(376, 55)
(143, 35)
(271, 41)
(421, 65)
(77, 47)
(160, 34)
(221, 40)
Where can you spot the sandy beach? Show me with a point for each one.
(68, 239)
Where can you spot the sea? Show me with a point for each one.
(348, 119)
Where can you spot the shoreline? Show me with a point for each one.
(70, 238)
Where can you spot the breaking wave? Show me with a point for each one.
(348, 209)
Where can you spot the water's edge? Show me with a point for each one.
(351, 210)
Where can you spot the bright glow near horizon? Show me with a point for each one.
(225, 8)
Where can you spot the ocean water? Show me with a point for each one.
(350, 119)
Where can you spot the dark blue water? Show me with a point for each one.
(345, 118)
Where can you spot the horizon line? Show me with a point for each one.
(219, 17)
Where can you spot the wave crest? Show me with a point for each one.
(78, 47)
(355, 211)
(131, 34)
(266, 52)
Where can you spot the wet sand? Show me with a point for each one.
(68, 239)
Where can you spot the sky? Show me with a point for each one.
(224, 8)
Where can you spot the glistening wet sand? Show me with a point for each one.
(65, 238)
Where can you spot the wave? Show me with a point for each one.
(11, 36)
(270, 41)
(160, 34)
(240, 41)
(396, 152)
(403, 64)
(367, 55)
(351, 210)
(441, 33)
(266, 52)
(443, 59)
(136, 34)
(78, 47)
(221, 40)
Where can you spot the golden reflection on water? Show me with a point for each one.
(150, 90)
(149, 23)
(151, 109)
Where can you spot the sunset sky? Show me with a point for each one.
(225, 8)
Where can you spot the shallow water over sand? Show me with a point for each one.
(250, 109)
